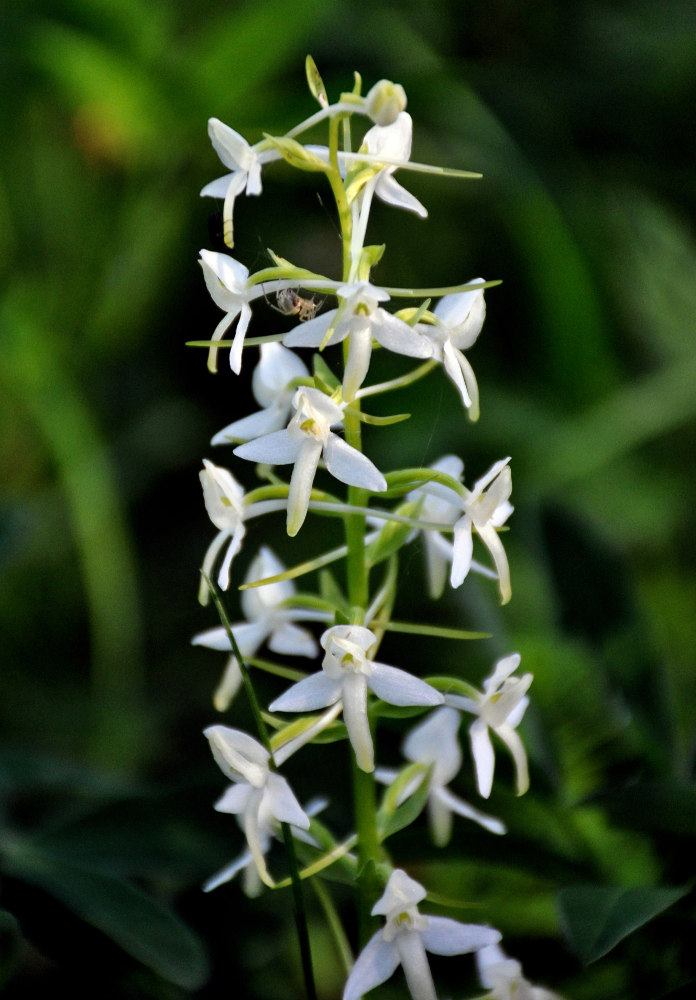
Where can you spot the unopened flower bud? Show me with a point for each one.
(385, 101)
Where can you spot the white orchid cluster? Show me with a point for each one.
(312, 420)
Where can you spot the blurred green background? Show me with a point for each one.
(581, 120)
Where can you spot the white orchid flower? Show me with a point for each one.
(500, 708)
(235, 800)
(272, 386)
(483, 510)
(406, 937)
(268, 619)
(359, 317)
(393, 141)
(307, 438)
(224, 502)
(258, 795)
(441, 505)
(502, 976)
(228, 283)
(434, 743)
(244, 161)
(347, 674)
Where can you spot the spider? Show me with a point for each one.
(289, 303)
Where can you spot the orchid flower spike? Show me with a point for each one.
(406, 937)
(269, 618)
(502, 976)
(500, 708)
(307, 438)
(435, 744)
(347, 674)
(244, 161)
(258, 795)
(359, 317)
(273, 389)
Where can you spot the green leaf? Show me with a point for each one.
(406, 813)
(596, 918)
(392, 536)
(143, 927)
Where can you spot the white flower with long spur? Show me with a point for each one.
(307, 438)
(483, 510)
(441, 505)
(434, 743)
(459, 319)
(347, 674)
(500, 708)
(360, 317)
(269, 618)
(228, 283)
(244, 161)
(272, 385)
(258, 795)
(234, 801)
(224, 502)
(406, 937)
(393, 141)
(503, 977)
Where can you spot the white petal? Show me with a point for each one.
(274, 418)
(229, 685)
(312, 332)
(435, 741)
(462, 808)
(358, 361)
(234, 800)
(283, 804)
(401, 688)
(230, 146)
(354, 694)
(228, 872)
(453, 369)
(415, 963)
(489, 537)
(514, 744)
(249, 636)
(301, 482)
(391, 192)
(315, 691)
(350, 466)
(278, 448)
(444, 936)
(439, 820)
(397, 336)
(484, 758)
(238, 754)
(291, 640)
(462, 551)
(374, 965)
(276, 369)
